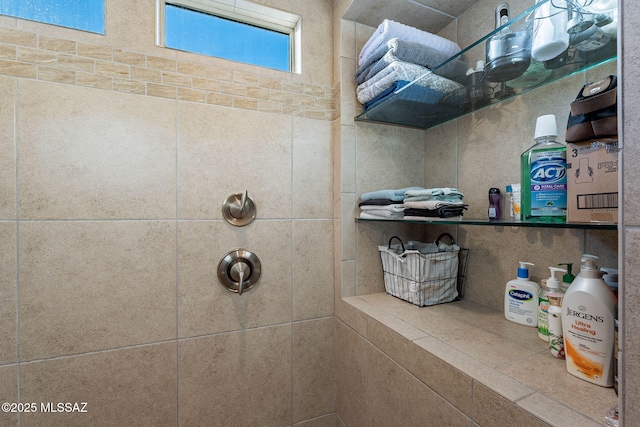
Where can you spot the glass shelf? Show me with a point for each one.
(506, 74)
(500, 223)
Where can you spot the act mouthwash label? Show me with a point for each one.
(548, 185)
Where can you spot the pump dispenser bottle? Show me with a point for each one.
(588, 326)
(543, 169)
(568, 277)
(521, 298)
(553, 285)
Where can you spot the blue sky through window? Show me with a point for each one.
(87, 15)
(200, 32)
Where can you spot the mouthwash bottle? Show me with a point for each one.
(543, 169)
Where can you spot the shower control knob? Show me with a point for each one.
(239, 270)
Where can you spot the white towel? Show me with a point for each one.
(380, 214)
(389, 29)
(400, 70)
(430, 204)
(397, 208)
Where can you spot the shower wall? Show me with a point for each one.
(115, 158)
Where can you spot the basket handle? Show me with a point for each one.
(453, 242)
(401, 242)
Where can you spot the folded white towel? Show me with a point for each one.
(443, 194)
(380, 214)
(397, 208)
(389, 29)
(400, 70)
(430, 204)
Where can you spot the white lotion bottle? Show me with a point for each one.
(553, 285)
(556, 342)
(521, 298)
(588, 309)
(550, 36)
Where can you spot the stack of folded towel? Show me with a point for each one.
(412, 203)
(433, 203)
(397, 54)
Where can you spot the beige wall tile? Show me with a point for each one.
(56, 75)
(351, 376)
(130, 58)
(225, 151)
(591, 402)
(245, 103)
(57, 45)
(8, 286)
(312, 169)
(91, 286)
(9, 393)
(87, 154)
(112, 69)
(20, 38)
(395, 397)
(36, 56)
(8, 52)
(248, 382)
(76, 63)
(436, 373)
(489, 408)
(133, 385)
(162, 91)
(95, 81)
(207, 307)
(18, 69)
(312, 267)
(7, 149)
(102, 53)
(314, 392)
(129, 86)
(317, 44)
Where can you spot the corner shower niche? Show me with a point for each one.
(474, 351)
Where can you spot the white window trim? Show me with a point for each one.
(242, 11)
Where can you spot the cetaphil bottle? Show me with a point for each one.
(543, 169)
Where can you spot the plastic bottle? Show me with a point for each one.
(552, 285)
(556, 341)
(588, 326)
(516, 198)
(550, 36)
(543, 169)
(521, 298)
(494, 204)
(506, 205)
(568, 277)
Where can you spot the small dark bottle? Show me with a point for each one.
(494, 204)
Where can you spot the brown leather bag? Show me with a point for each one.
(594, 113)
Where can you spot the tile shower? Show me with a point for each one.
(116, 158)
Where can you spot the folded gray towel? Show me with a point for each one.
(416, 53)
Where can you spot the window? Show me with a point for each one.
(86, 15)
(247, 33)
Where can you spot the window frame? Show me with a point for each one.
(244, 12)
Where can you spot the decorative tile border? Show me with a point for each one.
(32, 56)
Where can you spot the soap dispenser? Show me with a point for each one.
(588, 310)
(521, 298)
(553, 285)
(568, 277)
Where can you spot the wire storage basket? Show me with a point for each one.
(424, 273)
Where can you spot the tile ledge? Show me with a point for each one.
(399, 317)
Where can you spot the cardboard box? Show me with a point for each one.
(592, 181)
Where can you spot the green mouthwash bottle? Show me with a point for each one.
(543, 170)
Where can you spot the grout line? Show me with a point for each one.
(17, 244)
(177, 259)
